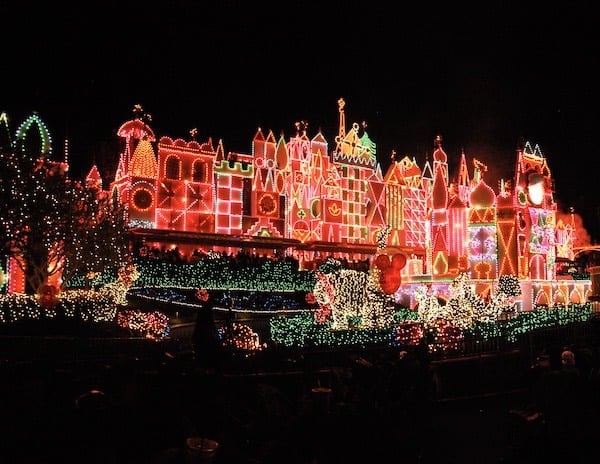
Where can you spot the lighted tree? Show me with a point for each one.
(429, 310)
(50, 224)
(465, 307)
(508, 288)
(97, 235)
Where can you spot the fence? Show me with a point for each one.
(531, 343)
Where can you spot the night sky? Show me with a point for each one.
(483, 79)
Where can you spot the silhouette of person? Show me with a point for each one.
(205, 338)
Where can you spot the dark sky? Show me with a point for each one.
(482, 78)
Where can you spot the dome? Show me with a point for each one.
(482, 196)
(136, 129)
(440, 156)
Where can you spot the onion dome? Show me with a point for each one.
(439, 154)
(482, 196)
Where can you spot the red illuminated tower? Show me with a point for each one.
(536, 214)
(482, 227)
(355, 157)
(439, 212)
(304, 215)
(134, 185)
(507, 232)
(406, 204)
(267, 204)
(233, 183)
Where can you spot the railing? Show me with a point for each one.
(531, 343)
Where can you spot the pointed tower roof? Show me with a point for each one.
(121, 169)
(319, 138)
(376, 175)
(207, 146)
(42, 134)
(220, 151)
(94, 179)
(456, 202)
(270, 145)
(259, 136)
(143, 161)
(427, 172)
(281, 154)
(394, 174)
(463, 172)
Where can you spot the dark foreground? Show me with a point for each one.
(156, 406)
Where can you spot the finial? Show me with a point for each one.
(301, 126)
(138, 110)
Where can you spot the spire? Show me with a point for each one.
(220, 151)
(94, 179)
(301, 128)
(478, 170)
(463, 172)
(427, 172)
(342, 127)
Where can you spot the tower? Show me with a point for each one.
(134, 185)
(536, 214)
(439, 211)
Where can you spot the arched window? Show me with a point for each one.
(198, 173)
(172, 168)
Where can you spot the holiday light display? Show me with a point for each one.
(149, 324)
(52, 225)
(240, 337)
(85, 305)
(464, 307)
(117, 291)
(312, 203)
(417, 227)
(408, 333)
(349, 297)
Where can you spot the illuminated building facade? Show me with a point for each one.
(299, 198)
